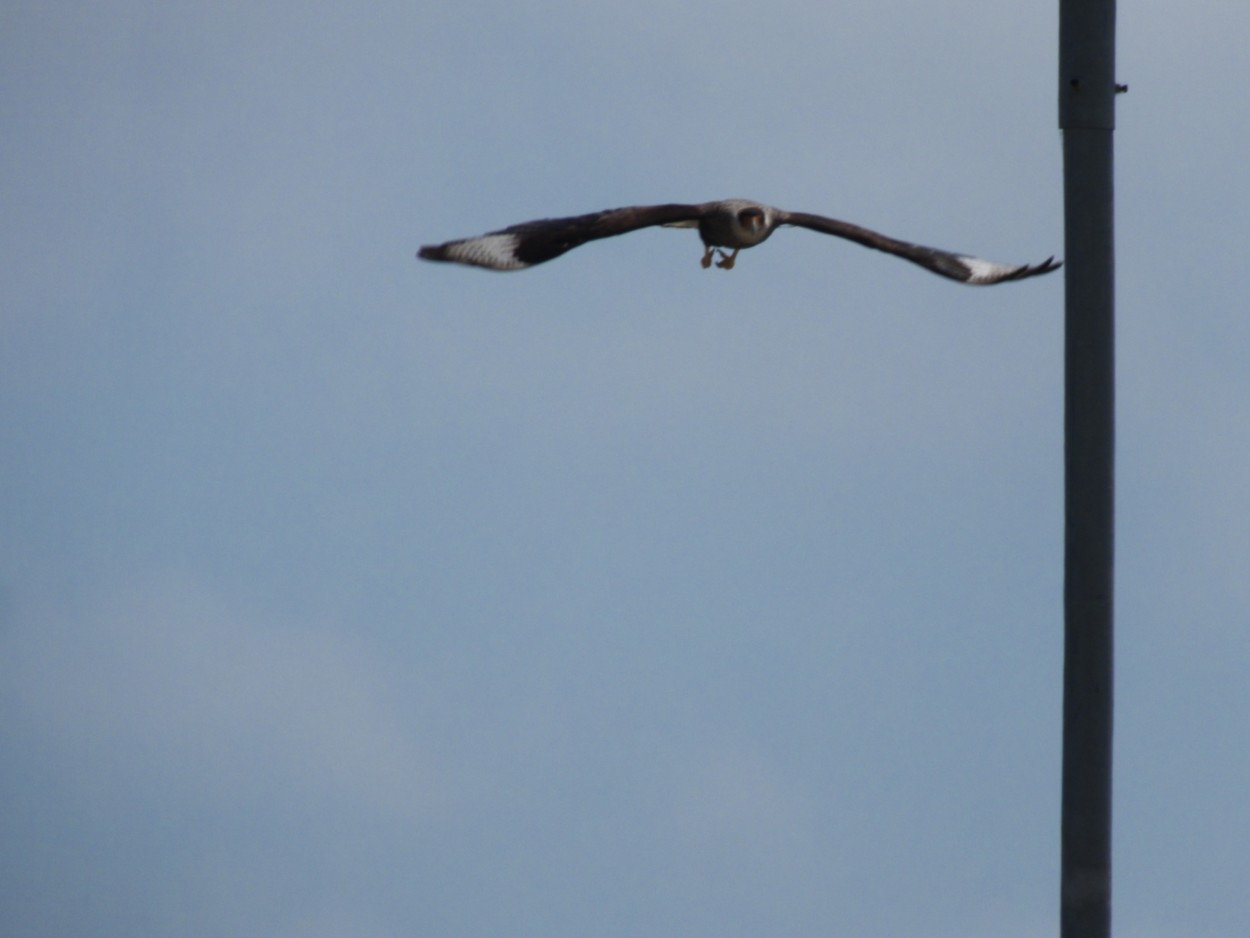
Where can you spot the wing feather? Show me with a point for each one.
(962, 267)
(535, 242)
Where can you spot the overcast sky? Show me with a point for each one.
(347, 594)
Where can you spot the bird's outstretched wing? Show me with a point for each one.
(962, 267)
(533, 242)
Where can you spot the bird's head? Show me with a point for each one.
(752, 219)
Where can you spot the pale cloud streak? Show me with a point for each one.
(164, 683)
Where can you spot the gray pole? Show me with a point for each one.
(1087, 118)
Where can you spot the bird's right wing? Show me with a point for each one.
(534, 242)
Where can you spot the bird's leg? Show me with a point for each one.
(707, 257)
(726, 261)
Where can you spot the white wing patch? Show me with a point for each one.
(497, 251)
(983, 271)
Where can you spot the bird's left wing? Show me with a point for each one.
(533, 242)
(962, 267)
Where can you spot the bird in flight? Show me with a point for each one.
(726, 227)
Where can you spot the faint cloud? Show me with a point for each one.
(166, 683)
(735, 794)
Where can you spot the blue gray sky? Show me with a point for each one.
(344, 594)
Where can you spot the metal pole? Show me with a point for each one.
(1087, 92)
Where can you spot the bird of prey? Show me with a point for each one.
(726, 227)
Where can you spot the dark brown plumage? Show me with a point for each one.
(732, 224)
